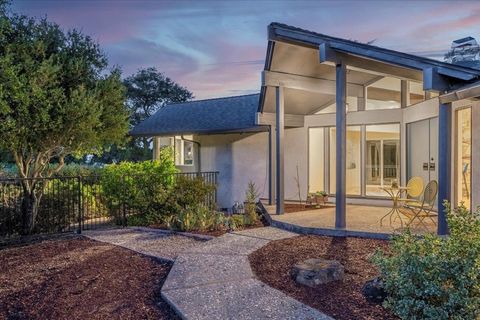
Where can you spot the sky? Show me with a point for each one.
(217, 48)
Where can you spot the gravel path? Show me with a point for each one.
(160, 244)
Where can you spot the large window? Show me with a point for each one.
(382, 157)
(316, 159)
(463, 156)
(353, 170)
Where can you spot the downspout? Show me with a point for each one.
(199, 158)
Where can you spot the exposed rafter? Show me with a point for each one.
(292, 81)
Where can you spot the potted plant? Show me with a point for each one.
(322, 197)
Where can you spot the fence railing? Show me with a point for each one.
(84, 202)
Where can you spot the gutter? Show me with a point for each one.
(199, 158)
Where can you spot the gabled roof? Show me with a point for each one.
(283, 32)
(220, 115)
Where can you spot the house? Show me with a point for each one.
(338, 116)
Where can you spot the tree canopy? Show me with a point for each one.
(146, 91)
(57, 97)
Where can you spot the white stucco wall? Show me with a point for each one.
(239, 158)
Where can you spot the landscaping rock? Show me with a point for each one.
(313, 272)
(374, 290)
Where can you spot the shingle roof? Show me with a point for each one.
(220, 115)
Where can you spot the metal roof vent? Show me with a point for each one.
(464, 52)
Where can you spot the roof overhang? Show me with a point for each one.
(253, 129)
(435, 75)
(471, 92)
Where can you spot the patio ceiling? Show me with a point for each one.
(316, 82)
(303, 62)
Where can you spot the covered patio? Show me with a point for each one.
(362, 220)
(349, 109)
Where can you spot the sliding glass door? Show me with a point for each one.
(382, 157)
(373, 159)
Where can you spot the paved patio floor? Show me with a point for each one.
(359, 218)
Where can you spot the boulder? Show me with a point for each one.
(314, 272)
(374, 290)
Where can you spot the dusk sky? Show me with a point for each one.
(217, 48)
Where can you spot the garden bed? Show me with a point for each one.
(72, 277)
(341, 300)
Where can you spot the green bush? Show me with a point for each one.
(198, 218)
(433, 277)
(185, 193)
(251, 195)
(142, 187)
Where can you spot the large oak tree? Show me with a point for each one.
(57, 98)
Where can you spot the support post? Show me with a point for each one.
(341, 147)
(156, 148)
(280, 134)
(404, 94)
(444, 163)
(271, 165)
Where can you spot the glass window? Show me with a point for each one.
(316, 160)
(183, 152)
(353, 170)
(463, 156)
(416, 92)
(382, 158)
(384, 94)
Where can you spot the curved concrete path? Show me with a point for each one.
(215, 281)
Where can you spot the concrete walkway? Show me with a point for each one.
(215, 281)
(160, 244)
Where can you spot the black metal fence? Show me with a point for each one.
(82, 202)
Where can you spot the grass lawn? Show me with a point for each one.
(71, 277)
(341, 300)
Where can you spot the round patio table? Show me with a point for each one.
(395, 194)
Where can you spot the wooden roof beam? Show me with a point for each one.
(318, 85)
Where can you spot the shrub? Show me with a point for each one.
(198, 218)
(251, 195)
(433, 277)
(142, 187)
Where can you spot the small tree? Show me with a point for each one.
(56, 99)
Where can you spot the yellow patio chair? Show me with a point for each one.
(421, 210)
(414, 189)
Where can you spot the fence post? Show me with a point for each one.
(124, 206)
(80, 209)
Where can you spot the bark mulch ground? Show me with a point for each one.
(76, 278)
(341, 300)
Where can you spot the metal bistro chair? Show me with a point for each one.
(414, 188)
(421, 210)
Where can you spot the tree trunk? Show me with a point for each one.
(30, 204)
